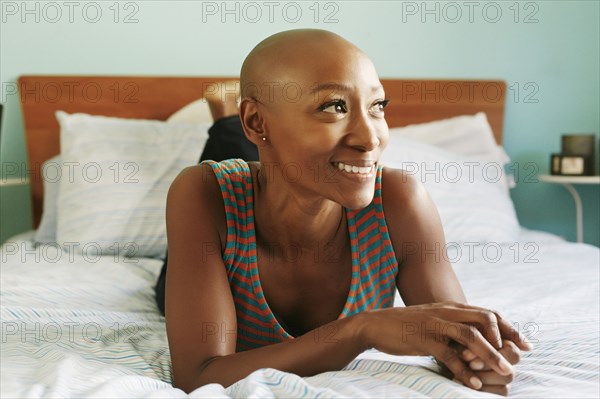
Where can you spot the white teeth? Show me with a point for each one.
(354, 169)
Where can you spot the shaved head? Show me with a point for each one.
(280, 58)
(310, 100)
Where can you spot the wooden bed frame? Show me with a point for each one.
(413, 101)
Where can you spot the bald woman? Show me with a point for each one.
(292, 262)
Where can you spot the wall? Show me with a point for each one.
(547, 51)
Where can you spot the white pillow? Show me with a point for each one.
(195, 112)
(51, 175)
(114, 200)
(468, 192)
(469, 135)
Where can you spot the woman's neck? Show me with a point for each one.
(286, 217)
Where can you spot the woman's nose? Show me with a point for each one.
(363, 133)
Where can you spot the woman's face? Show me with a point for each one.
(325, 126)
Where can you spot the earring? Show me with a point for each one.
(264, 139)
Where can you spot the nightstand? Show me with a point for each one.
(568, 182)
(13, 181)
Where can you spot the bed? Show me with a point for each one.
(77, 303)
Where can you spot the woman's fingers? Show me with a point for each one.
(493, 378)
(509, 332)
(471, 338)
(485, 321)
(449, 357)
(497, 327)
(467, 354)
(491, 381)
(509, 351)
(476, 345)
(496, 389)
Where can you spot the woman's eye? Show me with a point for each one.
(380, 105)
(334, 107)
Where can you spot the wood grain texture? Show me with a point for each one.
(158, 97)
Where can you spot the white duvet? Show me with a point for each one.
(76, 327)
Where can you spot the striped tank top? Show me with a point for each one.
(374, 264)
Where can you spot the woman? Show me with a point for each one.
(292, 262)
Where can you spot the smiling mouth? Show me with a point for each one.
(354, 169)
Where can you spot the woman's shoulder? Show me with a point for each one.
(207, 174)
(401, 188)
(195, 195)
(195, 179)
(407, 206)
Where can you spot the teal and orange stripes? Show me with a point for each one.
(374, 264)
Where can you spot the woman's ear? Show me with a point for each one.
(252, 121)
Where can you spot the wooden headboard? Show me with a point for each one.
(413, 101)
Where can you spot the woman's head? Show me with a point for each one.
(313, 104)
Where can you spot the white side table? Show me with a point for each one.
(568, 182)
(13, 181)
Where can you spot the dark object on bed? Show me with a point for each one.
(226, 140)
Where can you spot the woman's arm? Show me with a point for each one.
(424, 273)
(426, 276)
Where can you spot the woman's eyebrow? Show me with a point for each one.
(330, 86)
(338, 87)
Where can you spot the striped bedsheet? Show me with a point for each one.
(76, 326)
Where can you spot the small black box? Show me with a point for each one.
(582, 145)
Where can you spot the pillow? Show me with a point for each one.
(469, 135)
(51, 175)
(195, 112)
(113, 202)
(468, 192)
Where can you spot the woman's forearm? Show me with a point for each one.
(329, 347)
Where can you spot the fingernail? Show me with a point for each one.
(477, 364)
(523, 339)
(475, 382)
(505, 366)
(469, 355)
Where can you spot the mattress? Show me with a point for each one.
(75, 326)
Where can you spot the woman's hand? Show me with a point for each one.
(492, 381)
(434, 329)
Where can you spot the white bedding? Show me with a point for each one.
(112, 339)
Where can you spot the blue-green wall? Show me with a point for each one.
(554, 53)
